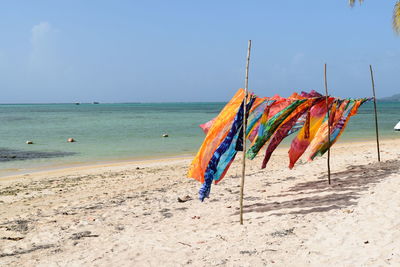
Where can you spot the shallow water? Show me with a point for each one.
(108, 132)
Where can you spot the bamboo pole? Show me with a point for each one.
(329, 126)
(246, 83)
(376, 114)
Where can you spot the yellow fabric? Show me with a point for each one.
(216, 134)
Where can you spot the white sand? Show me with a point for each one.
(118, 215)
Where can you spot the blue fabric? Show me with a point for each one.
(299, 124)
(255, 116)
(239, 142)
(225, 152)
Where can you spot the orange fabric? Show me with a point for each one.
(257, 102)
(279, 104)
(356, 107)
(322, 134)
(301, 142)
(216, 134)
(352, 113)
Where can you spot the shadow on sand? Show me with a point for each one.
(345, 189)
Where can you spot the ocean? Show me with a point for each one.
(131, 131)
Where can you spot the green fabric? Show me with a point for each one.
(270, 126)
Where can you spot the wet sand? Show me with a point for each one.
(129, 214)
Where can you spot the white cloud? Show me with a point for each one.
(40, 32)
(43, 41)
(297, 59)
(45, 60)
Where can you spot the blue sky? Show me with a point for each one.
(152, 51)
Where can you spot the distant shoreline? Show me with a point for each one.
(89, 165)
(117, 103)
(92, 165)
(384, 99)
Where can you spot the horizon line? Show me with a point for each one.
(98, 103)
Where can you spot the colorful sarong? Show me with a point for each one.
(225, 153)
(287, 125)
(307, 134)
(268, 127)
(216, 134)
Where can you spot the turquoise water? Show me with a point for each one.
(108, 132)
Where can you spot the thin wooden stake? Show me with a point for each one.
(246, 83)
(329, 127)
(376, 114)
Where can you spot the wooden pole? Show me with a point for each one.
(376, 114)
(246, 83)
(329, 126)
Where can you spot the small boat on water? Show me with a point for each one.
(397, 127)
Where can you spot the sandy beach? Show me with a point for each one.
(128, 214)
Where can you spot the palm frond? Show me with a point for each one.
(396, 18)
(352, 2)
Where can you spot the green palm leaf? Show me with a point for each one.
(396, 18)
(352, 2)
(396, 14)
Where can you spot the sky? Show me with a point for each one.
(193, 51)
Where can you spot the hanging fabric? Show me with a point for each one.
(216, 134)
(268, 127)
(301, 142)
(225, 153)
(287, 125)
(269, 121)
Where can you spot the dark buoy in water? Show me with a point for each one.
(165, 135)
